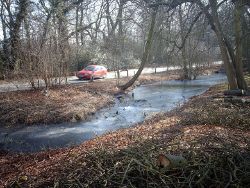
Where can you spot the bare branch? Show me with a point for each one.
(80, 29)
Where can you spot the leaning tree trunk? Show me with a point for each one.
(215, 24)
(145, 53)
(238, 43)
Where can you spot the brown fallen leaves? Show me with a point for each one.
(62, 104)
(215, 146)
(217, 153)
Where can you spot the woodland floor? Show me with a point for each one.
(212, 133)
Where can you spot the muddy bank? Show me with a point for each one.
(67, 103)
(212, 134)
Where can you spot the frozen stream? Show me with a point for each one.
(158, 97)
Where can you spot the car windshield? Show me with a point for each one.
(90, 68)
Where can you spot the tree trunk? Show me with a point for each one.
(215, 24)
(81, 25)
(63, 39)
(76, 27)
(14, 32)
(120, 39)
(183, 49)
(246, 41)
(238, 43)
(6, 54)
(145, 53)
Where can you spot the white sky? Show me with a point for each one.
(1, 32)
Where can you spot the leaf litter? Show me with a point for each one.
(213, 137)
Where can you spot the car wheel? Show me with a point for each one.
(92, 78)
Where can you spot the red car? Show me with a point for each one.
(92, 72)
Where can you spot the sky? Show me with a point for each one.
(1, 32)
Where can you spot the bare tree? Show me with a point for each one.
(233, 70)
(13, 22)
